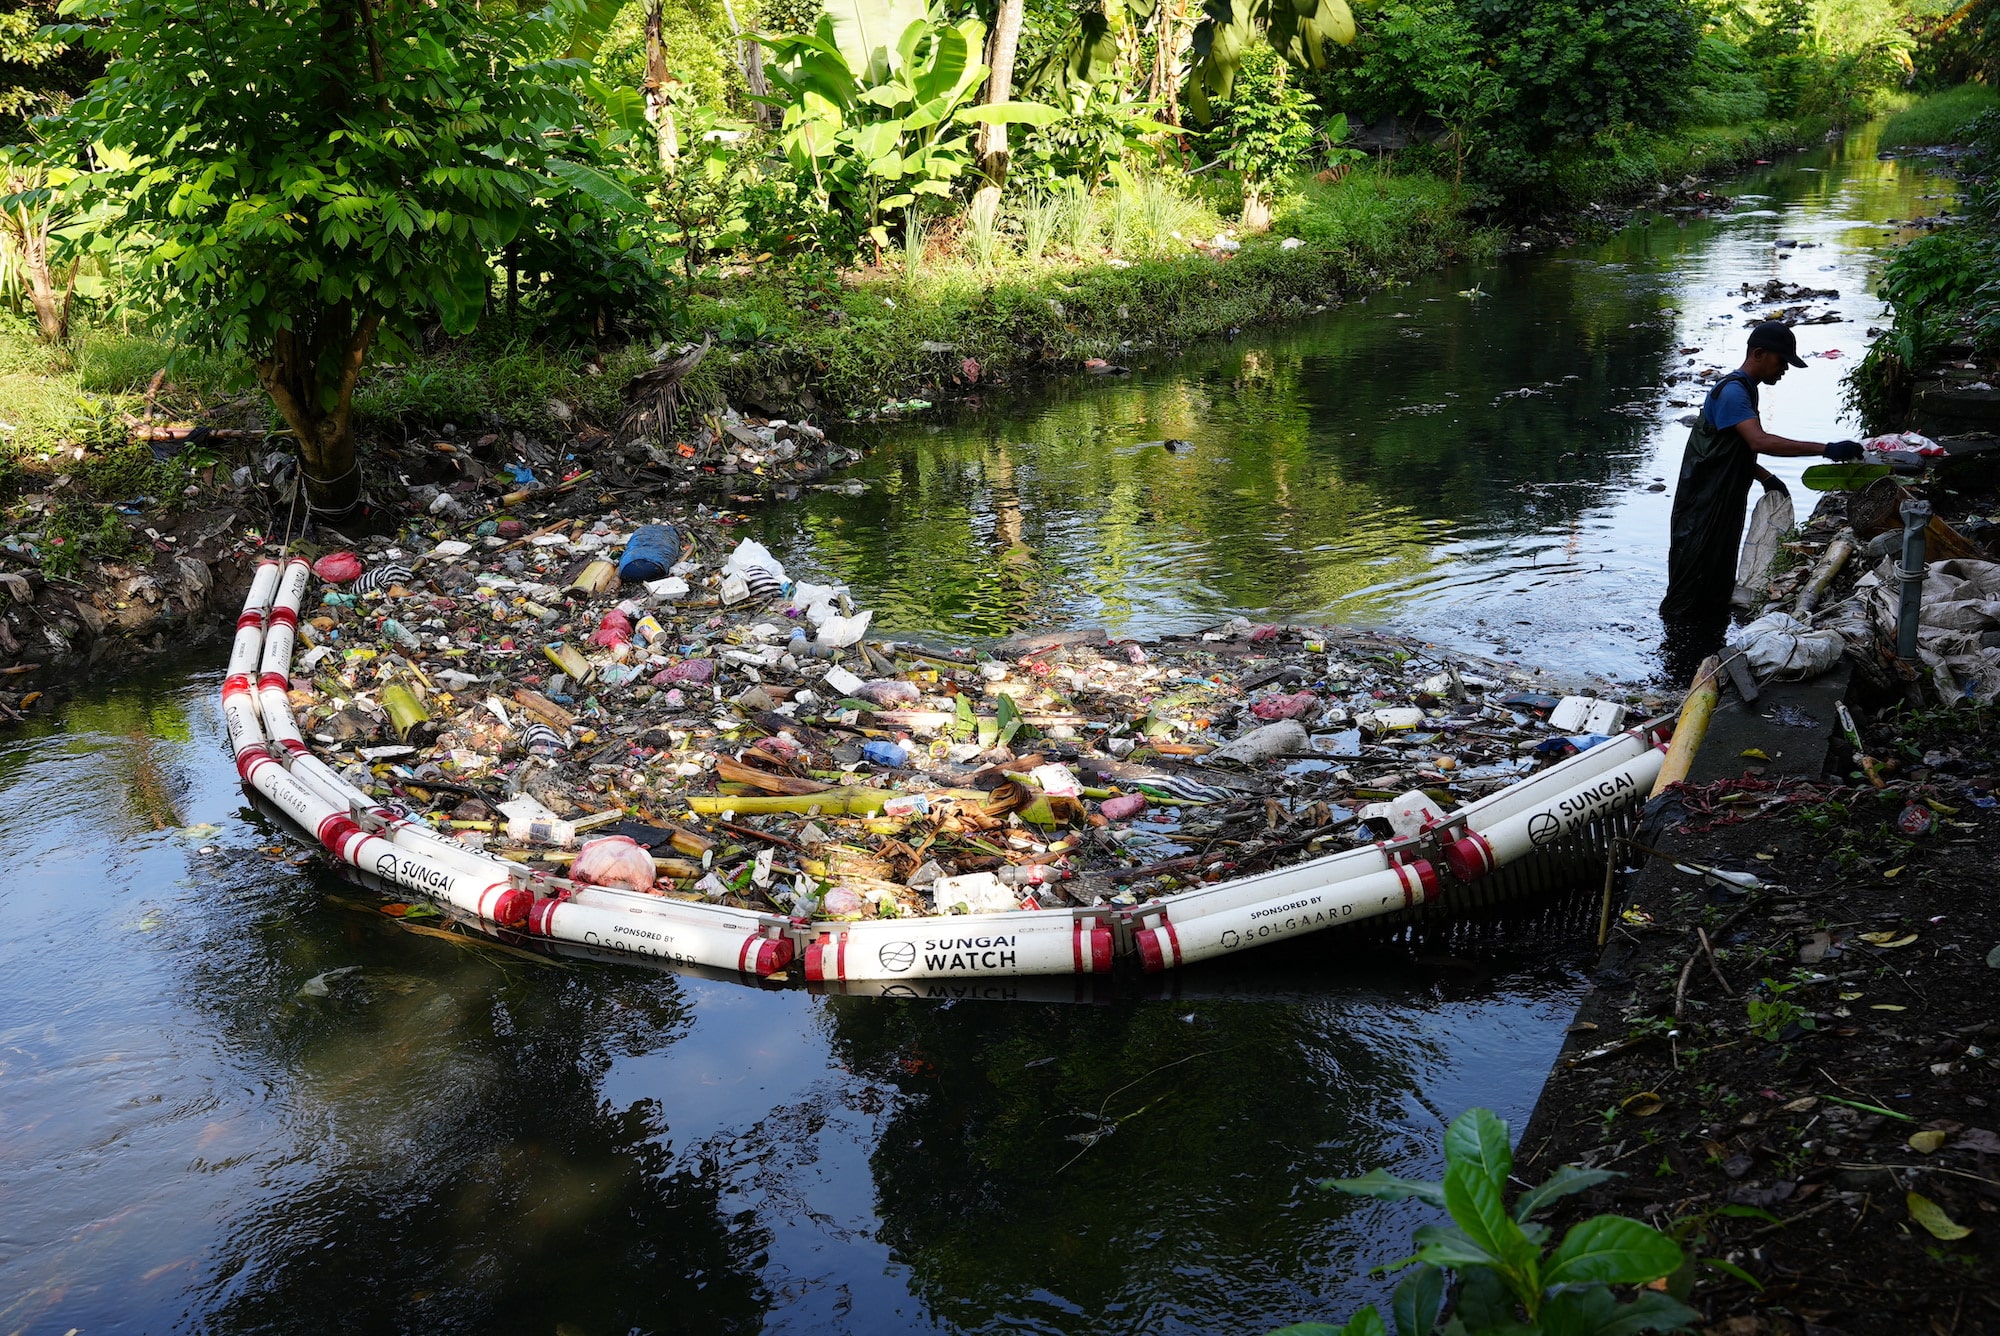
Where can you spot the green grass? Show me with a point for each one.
(857, 343)
(489, 383)
(1629, 165)
(50, 398)
(1055, 280)
(1941, 118)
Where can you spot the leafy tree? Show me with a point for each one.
(36, 235)
(1264, 130)
(875, 127)
(1299, 30)
(309, 176)
(37, 72)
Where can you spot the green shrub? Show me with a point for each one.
(1723, 87)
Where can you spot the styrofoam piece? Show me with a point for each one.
(1569, 714)
(1606, 717)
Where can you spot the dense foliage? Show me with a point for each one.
(343, 170)
(1944, 288)
(1509, 90)
(288, 183)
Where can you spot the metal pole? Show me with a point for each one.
(1916, 517)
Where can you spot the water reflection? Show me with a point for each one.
(238, 1097)
(1469, 457)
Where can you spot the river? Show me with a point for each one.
(1470, 457)
(235, 1097)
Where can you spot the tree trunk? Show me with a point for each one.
(29, 230)
(1256, 209)
(326, 354)
(658, 90)
(1001, 45)
(750, 59)
(50, 302)
(1167, 59)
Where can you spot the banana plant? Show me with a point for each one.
(899, 130)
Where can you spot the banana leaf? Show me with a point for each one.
(1842, 477)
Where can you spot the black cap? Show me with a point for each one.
(1778, 337)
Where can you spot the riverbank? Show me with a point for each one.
(885, 337)
(1788, 1052)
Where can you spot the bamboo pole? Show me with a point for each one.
(1692, 726)
(1836, 556)
(405, 710)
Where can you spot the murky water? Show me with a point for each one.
(1468, 458)
(235, 1097)
(203, 1128)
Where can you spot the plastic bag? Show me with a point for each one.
(1778, 645)
(338, 567)
(614, 860)
(1770, 520)
(651, 553)
(613, 629)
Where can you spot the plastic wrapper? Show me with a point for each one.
(614, 860)
(338, 568)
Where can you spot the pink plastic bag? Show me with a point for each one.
(338, 568)
(614, 630)
(614, 860)
(1285, 707)
(1123, 806)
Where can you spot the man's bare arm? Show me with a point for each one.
(1764, 443)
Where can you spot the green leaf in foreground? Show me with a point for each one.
(1564, 1181)
(1612, 1250)
(1842, 477)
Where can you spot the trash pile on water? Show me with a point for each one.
(717, 453)
(1791, 303)
(662, 707)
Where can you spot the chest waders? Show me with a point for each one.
(1717, 468)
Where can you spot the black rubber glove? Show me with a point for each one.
(1842, 452)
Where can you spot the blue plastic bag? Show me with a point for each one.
(650, 554)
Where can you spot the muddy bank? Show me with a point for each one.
(94, 584)
(1789, 1049)
(180, 586)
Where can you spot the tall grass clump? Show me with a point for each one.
(982, 230)
(1040, 217)
(1078, 214)
(1164, 215)
(1941, 118)
(913, 247)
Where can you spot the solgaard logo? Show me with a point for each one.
(897, 956)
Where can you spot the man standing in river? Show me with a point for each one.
(1716, 471)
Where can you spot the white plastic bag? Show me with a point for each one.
(973, 893)
(614, 860)
(1779, 645)
(1770, 520)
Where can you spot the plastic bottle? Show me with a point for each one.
(401, 634)
(650, 553)
(540, 830)
(1031, 874)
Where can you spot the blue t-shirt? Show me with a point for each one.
(1732, 405)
